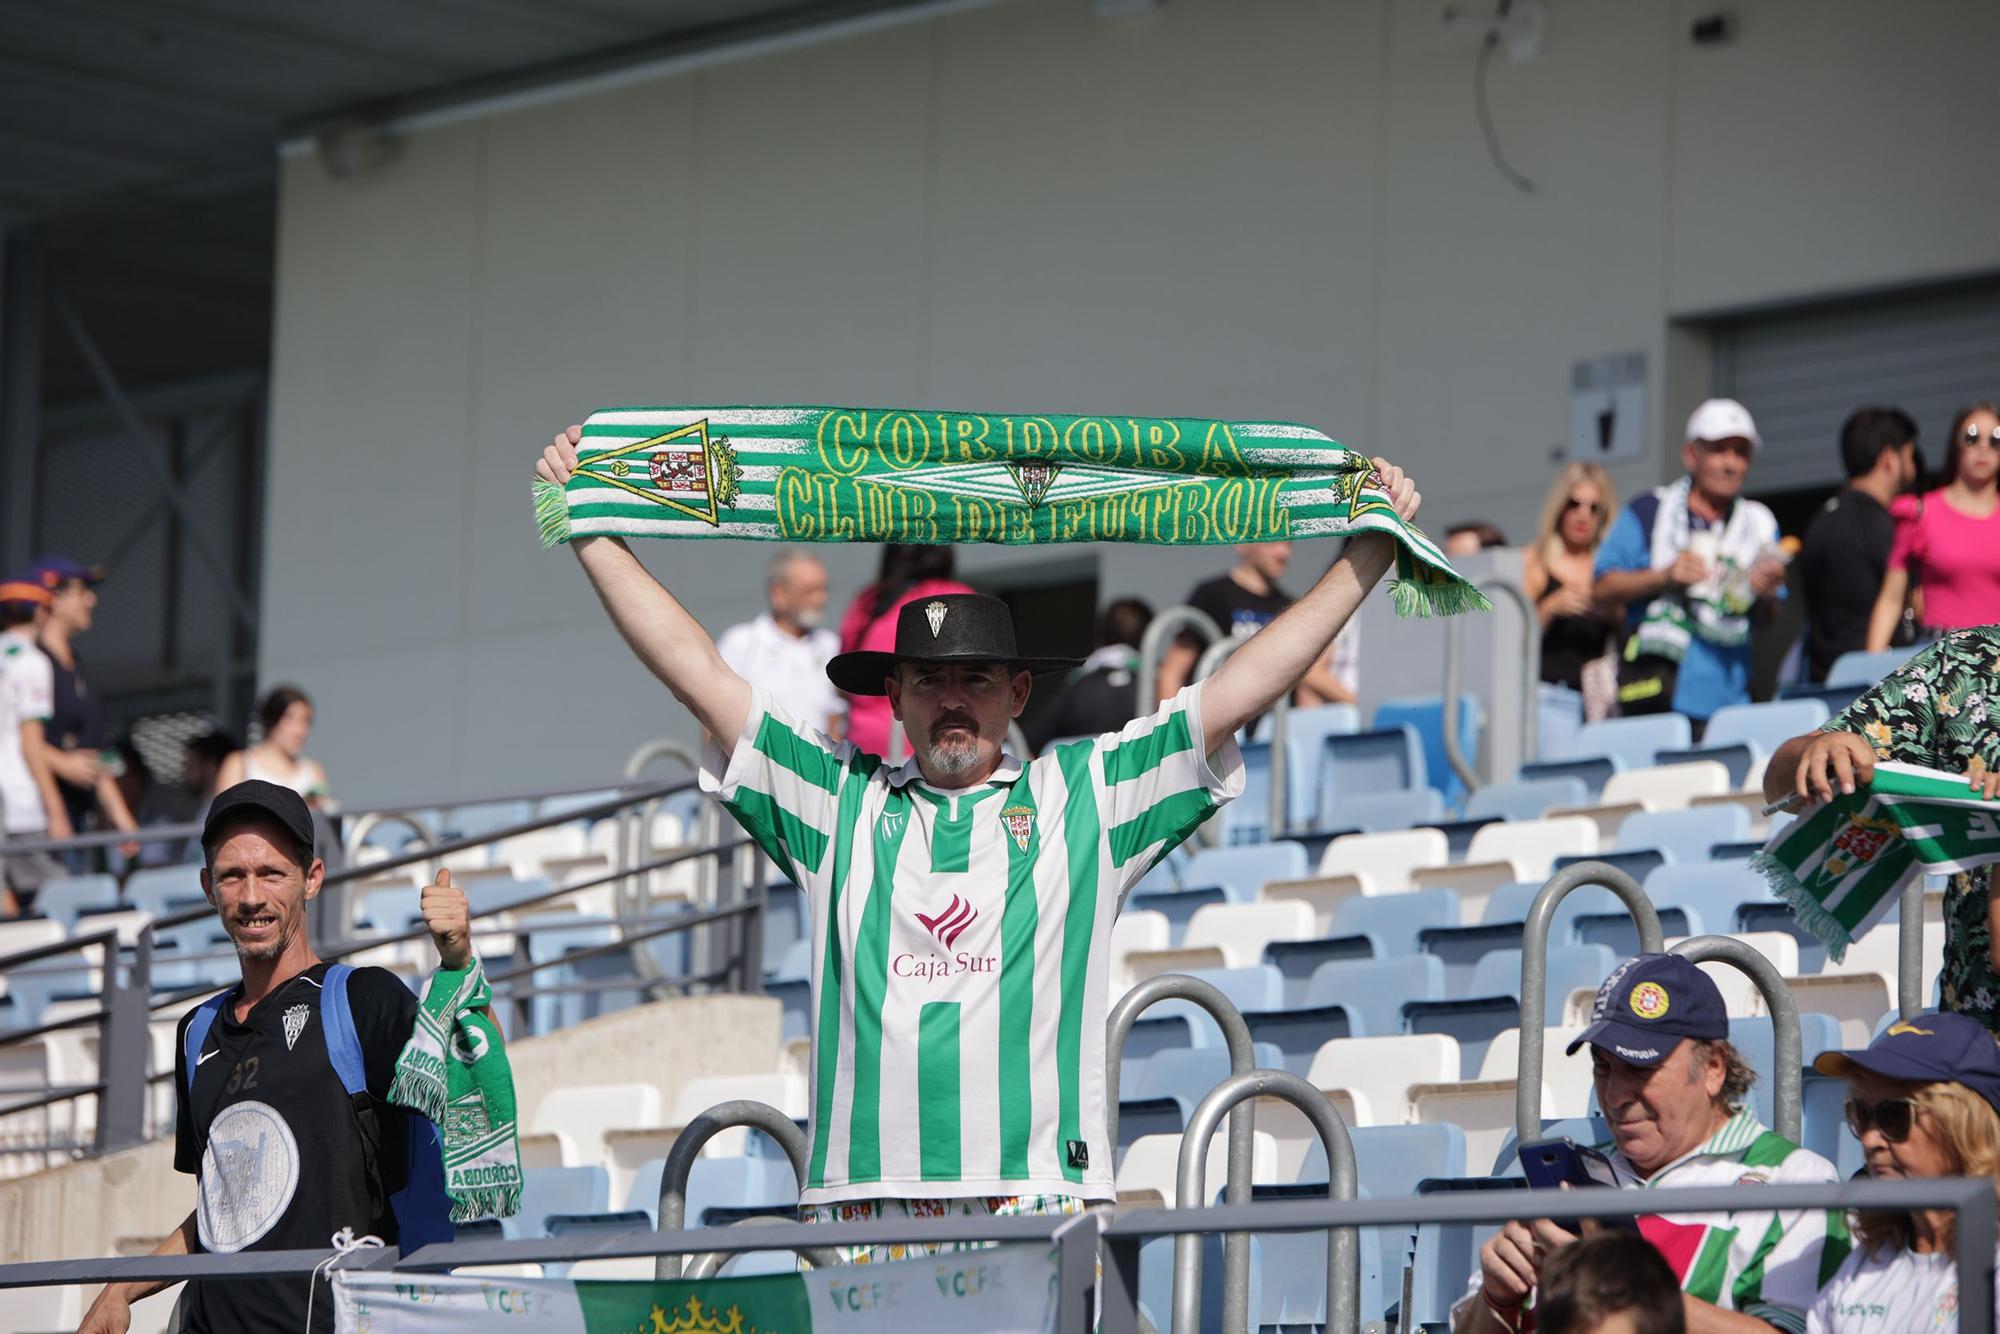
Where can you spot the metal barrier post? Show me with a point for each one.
(1787, 1044)
(1535, 972)
(1242, 1125)
(1910, 950)
(123, 1046)
(1343, 1253)
(687, 1147)
(1164, 627)
(1531, 673)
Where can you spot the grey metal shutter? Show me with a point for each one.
(1802, 372)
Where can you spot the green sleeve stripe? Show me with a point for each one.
(779, 832)
(800, 755)
(1019, 918)
(1144, 754)
(1171, 818)
(1705, 1275)
(1081, 829)
(937, 1090)
(1769, 1149)
(1834, 1250)
(826, 1035)
(871, 985)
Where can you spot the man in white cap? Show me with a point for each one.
(1696, 565)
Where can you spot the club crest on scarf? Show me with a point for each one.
(1860, 842)
(691, 472)
(1020, 823)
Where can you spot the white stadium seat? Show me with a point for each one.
(575, 1118)
(1384, 861)
(1532, 845)
(1152, 1165)
(1667, 787)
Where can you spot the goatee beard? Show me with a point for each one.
(952, 760)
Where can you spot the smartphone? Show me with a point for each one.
(1550, 1164)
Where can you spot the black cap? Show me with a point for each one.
(948, 628)
(282, 804)
(1935, 1047)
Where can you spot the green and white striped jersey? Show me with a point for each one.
(961, 942)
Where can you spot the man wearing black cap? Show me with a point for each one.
(283, 1156)
(1675, 1094)
(963, 901)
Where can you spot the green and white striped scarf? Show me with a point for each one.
(1840, 865)
(454, 1070)
(829, 474)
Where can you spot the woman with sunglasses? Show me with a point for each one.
(1924, 1100)
(1948, 541)
(1557, 573)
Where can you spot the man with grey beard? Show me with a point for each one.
(784, 650)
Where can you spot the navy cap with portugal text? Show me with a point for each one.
(1648, 1004)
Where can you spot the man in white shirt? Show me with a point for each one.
(30, 805)
(785, 650)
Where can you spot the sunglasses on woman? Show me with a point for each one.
(1975, 436)
(1587, 506)
(1892, 1116)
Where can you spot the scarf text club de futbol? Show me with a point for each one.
(836, 474)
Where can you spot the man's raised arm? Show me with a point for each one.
(670, 642)
(1272, 661)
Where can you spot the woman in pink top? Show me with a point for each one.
(1948, 542)
(908, 571)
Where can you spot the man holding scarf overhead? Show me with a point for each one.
(962, 902)
(1696, 565)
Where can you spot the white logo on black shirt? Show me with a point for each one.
(295, 1023)
(249, 1173)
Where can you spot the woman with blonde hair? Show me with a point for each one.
(1924, 1100)
(1557, 574)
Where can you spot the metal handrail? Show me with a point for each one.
(1787, 1044)
(687, 1147)
(1531, 673)
(1910, 950)
(1242, 1126)
(1165, 626)
(1343, 1254)
(356, 833)
(1535, 972)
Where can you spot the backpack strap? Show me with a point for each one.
(197, 1032)
(336, 1016)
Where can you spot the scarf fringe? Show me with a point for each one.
(486, 1202)
(1421, 598)
(551, 513)
(1812, 915)
(419, 1090)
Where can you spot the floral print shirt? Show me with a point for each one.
(1936, 710)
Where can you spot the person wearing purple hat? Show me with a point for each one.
(1674, 1092)
(1924, 1100)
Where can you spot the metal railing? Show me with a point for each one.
(1535, 972)
(1161, 631)
(1787, 1047)
(687, 1147)
(1077, 1246)
(1531, 672)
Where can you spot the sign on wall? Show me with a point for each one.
(1607, 408)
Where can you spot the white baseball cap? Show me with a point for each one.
(1722, 419)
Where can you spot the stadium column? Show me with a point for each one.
(23, 307)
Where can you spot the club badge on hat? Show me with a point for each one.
(1648, 1004)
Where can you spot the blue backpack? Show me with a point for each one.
(422, 1209)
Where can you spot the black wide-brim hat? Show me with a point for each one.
(951, 627)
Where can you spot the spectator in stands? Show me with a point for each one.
(907, 572)
(287, 718)
(785, 648)
(1558, 572)
(1101, 695)
(76, 725)
(30, 805)
(1847, 548)
(1696, 565)
(1674, 1092)
(1934, 711)
(282, 1156)
(1244, 601)
(1924, 1100)
(1472, 537)
(1948, 541)
(969, 897)
(1609, 1283)
(201, 765)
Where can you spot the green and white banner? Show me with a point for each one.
(1004, 1290)
(1841, 864)
(836, 474)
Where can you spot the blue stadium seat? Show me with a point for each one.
(1458, 834)
(785, 921)
(1375, 761)
(1166, 873)
(1866, 669)
(485, 817)
(1753, 1037)
(65, 898)
(1305, 729)
(1259, 987)
(1297, 960)
(1248, 818)
(1178, 906)
(1299, 1033)
(1138, 1117)
(1835, 698)
(1288, 1270)
(575, 801)
(1709, 892)
(1592, 771)
(1776, 915)
(1242, 871)
(1191, 1072)
(1154, 1033)
(1394, 919)
(1426, 715)
(1444, 1255)
(1638, 864)
(1684, 835)
(1460, 948)
(153, 888)
(1631, 741)
(1390, 1161)
(555, 936)
(1381, 812)
(1374, 991)
(557, 1190)
(1823, 1107)
(1741, 736)
(1491, 1004)
(1526, 800)
(393, 911)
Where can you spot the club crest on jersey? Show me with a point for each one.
(1020, 822)
(934, 613)
(295, 1023)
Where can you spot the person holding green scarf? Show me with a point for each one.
(1697, 566)
(1935, 711)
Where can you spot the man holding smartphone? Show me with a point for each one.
(1674, 1093)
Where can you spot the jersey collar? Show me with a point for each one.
(1006, 774)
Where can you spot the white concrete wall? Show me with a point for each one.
(1225, 207)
